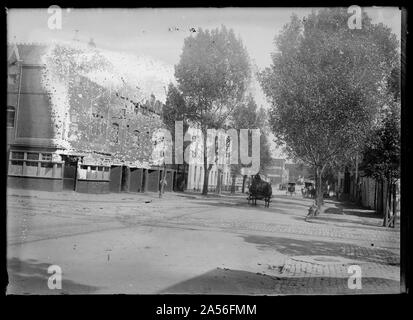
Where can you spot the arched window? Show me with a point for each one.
(135, 136)
(11, 113)
(115, 132)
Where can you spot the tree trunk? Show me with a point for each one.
(219, 181)
(386, 205)
(356, 191)
(318, 187)
(206, 168)
(206, 180)
(233, 183)
(394, 204)
(244, 179)
(185, 179)
(381, 198)
(162, 188)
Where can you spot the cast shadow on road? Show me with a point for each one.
(357, 216)
(244, 206)
(328, 220)
(351, 209)
(295, 247)
(225, 281)
(239, 282)
(31, 277)
(277, 205)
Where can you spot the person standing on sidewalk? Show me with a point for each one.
(162, 185)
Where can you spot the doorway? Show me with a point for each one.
(125, 179)
(70, 172)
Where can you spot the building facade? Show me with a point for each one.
(277, 172)
(70, 126)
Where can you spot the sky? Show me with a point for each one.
(160, 33)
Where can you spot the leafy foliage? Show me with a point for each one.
(213, 74)
(326, 83)
(248, 116)
(381, 156)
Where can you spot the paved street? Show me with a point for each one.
(186, 243)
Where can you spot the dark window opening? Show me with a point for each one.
(17, 155)
(115, 135)
(11, 113)
(47, 156)
(46, 165)
(32, 156)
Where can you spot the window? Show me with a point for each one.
(94, 172)
(228, 147)
(17, 155)
(115, 133)
(34, 164)
(47, 156)
(32, 156)
(11, 113)
(135, 136)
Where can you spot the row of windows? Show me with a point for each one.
(38, 164)
(90, 172)
(35, 169)
(213, 177)
(34, 164)
(21, 155)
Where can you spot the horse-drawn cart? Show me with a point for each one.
(259, 190)
(291, 188)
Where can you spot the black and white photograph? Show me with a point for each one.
(207, 151)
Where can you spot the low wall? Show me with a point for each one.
(35, 183)
(92, 186)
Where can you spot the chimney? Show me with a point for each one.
(92, 43)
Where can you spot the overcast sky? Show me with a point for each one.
(160, 33)
(152, 31)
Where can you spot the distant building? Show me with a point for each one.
(277, 172)
(298, 172)
(219, 175)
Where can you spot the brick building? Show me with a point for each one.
(76, 121)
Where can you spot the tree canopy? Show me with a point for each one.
(326, 84)
(213, 74)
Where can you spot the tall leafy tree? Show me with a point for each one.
(175, 109)
(213, 74)
(325, 84)
(248, 116)
(382, 152)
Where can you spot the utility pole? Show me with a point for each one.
(357, 177)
